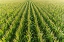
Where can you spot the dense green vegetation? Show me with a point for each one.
(32, 21)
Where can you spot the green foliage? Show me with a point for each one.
(31, 21)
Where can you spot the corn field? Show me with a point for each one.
(31, 21)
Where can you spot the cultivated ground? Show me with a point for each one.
(31, 21)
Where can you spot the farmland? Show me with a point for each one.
(32, 21)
